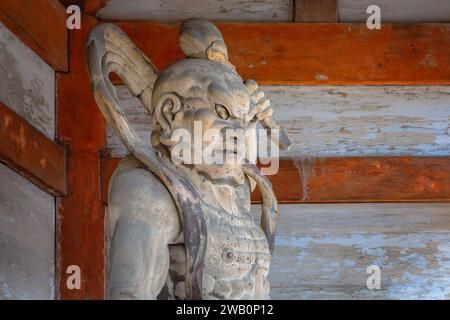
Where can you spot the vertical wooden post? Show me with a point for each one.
(81, 212)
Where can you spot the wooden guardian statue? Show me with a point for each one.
(180, 224)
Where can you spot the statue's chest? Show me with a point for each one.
(236, 245)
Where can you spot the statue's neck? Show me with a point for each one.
(232, 197)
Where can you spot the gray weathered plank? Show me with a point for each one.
(27, 239)
(279, 10)
(323, 251)
(27, 85)
(345, 120)
(364, 120)
(138, 118)
(396, 11)
(173, 10)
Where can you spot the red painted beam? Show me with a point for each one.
(349, 179)
(27, 151)
(41, 25)
(316, 53)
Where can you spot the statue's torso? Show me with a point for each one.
(237, 256)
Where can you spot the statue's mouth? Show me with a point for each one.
(230, 156)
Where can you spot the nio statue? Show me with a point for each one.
(184, 225)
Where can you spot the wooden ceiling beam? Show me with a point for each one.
(316, 53)
(90, 7)
(316, 11)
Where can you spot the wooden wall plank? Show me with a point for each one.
(344, 121)
(138, 118)
(27, 239)
(301, 53)
(81, 212)
(316, 11)
(364, 120)
(396, 11)
(173, 10)
(28, 83)
(29, 152)
(348, 179)
(33, 22)
(323, 251)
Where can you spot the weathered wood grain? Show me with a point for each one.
(138, 118)
(364, 120)
(317, 53)
(27, 239)
(28, 83)
(81, 213)
(33, 21)
(280, 10)
(316, 11)
(362, 179)
(30, 153)
(342, 120)
(89, 6)
(396, 11)
(323, 251)
(172, 10)
(348, 179)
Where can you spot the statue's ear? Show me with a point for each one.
(166, 108)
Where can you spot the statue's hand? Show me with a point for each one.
(261, 104)
(262, 111)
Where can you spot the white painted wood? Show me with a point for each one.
(278, 10)
(396, 10)
(345, 120)
(27, 85)
(322, 251)
(175, 10)
(138, 118)
(27, 239)
(364, 120)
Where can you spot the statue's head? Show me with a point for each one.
(204, 96)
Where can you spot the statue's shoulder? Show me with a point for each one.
(136, 194)
(132, 182)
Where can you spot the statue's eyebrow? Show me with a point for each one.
(222, 97)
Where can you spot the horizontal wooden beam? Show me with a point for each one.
(316, 11)
(88, 6)
(316, 53)
(41, 25)
(29, 152)
(362, 179)
(348, 179)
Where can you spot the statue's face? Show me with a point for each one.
(211, 103)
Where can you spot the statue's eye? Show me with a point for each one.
(222, 112)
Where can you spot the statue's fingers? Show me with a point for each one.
(260, 107)
(262, 104)
(258, 96)
(265, 114)
(251, 86)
